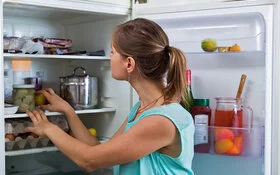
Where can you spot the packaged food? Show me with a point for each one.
(223, 49)
(23, 96)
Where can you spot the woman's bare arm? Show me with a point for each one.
(77, 128)
(148, 135)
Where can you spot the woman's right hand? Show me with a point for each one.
(56, 103)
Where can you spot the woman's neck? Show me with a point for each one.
(148, 91)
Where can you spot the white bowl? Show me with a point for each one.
(10, 109)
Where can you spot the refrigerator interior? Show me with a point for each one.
(213, 74)
(218, 74)
(89, 31)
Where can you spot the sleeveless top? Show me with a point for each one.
(158, 163)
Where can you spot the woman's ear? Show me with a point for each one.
(130, 64)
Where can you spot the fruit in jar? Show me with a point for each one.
(223, 133)
(237, 146)
(235, 48)
(223, 146)
(24, 97)
(92, 131)
(209, 45)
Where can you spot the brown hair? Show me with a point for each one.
(148, 45)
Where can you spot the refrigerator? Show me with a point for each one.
(252, 24)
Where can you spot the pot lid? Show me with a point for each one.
(25, 86)
(76, 75)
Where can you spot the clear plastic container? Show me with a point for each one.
(24, 97)
(230, 141)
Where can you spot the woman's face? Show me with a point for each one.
(118, 65)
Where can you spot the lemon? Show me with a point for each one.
(209, 45)
(40, 99)
(93, 131)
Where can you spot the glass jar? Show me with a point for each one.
(231, 121)
(24, 97)
(201, 113)
(230, 112)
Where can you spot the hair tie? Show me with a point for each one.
(166, 49)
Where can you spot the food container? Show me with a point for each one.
(21, 143)
(36, 81)
(9, 145)
(23, 96)
(223, 49)
(10, 109)
(33, 142)
(44, 141)
(80, 91)
(201, 113)
(230, 141)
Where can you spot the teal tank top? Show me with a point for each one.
(157, 163)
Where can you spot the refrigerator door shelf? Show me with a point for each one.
(189, 43)
(225, 59)
(246, 29)
(229, 141)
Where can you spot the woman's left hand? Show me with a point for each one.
(40, 122)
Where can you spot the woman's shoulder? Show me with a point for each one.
(173, 111)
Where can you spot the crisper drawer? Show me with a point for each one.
(229, 141)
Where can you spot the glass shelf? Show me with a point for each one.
(87, 111)
(41, 150)
(35, 56)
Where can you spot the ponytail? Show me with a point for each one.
(148, 44)
(176, 76)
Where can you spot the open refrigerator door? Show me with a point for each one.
(217, 74)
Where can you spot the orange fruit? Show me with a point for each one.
(235, 48)
(237, 146)
(223, 133)
(223, 146)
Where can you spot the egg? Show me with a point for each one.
(18, 138)
(11, 137)
(34, 135)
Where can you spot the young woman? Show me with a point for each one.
(157, 136)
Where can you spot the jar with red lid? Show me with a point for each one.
(201, 113)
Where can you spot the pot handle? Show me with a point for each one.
(83, 69)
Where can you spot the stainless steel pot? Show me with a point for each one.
(80, 91)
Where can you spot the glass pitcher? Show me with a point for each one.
(230, 112)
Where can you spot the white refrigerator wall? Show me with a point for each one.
(218, 74)
(2, 130)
